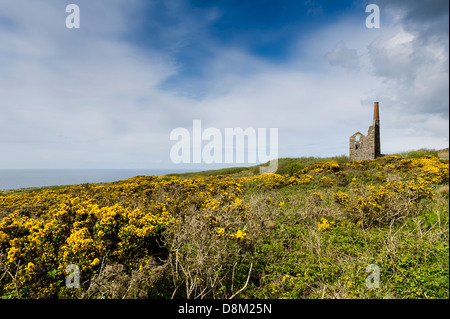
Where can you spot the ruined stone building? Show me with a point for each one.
(364, 147)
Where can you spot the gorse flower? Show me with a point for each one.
(128, 222)
(341, 198)
(324, 224)
(326, 181)
(220, 231)
(240, 234)
(274, 181)
(112, 223)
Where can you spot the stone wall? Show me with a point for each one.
(364, 147)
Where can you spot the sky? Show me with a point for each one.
(109, 94)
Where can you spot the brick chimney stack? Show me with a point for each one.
(376, 113)
(376, 124)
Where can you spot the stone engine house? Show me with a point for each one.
(364, 147)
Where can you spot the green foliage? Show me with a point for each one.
(290, 167)
(419, 153)
(215, 172)
(310, 231)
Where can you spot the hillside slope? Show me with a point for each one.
(365, 229)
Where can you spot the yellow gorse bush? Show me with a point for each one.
(324, 224)
(341, 198)
(274, 181)
(325, 166)
(385, 203)
(326, 181)
(130, 222)
(95, 225)
(240, 234)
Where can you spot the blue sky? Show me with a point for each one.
(108, 95)
(266, 30)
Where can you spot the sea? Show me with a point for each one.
(26, 178)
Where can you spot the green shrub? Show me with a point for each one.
(290, 167)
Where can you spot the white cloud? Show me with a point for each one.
(74, 98)
(344, 57)
(90, 98)
(392, 57)
(415, 75)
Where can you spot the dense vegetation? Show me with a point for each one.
(310, 231)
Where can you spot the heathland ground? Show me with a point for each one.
(319, 228)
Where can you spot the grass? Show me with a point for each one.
(297, 260)
(222, 171)
(25, 190)
(291, 165)
(243, 235)
(285, 166)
